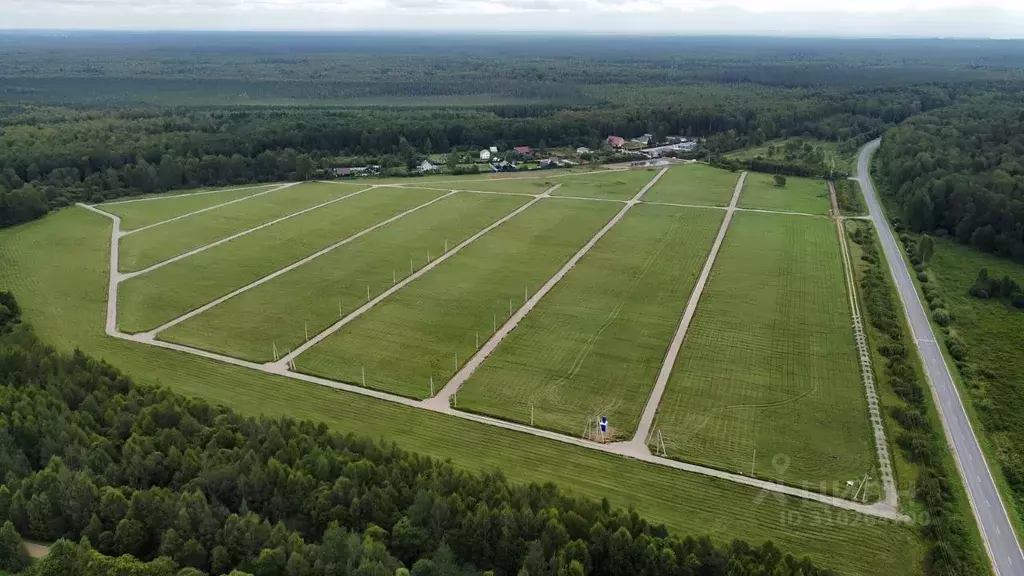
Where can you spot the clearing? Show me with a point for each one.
(423, 330)
(768, 376)
(804, 195)
(696, 184)
(594, 345)
(313, 296)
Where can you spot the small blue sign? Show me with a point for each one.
(604, 424)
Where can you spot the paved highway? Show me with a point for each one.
(997, 531)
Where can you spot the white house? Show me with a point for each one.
(427, 166)
(485, 155)
(494, 149)
(582, 150)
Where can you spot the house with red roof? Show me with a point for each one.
(524, 150)
(616, 141)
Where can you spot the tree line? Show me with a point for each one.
(958, 172)
(126, 475)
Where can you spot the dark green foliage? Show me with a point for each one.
(1005, 288)
(13, 557)
(780, 180)
(175, 482)
(951, 552)
(957, 172)
(849, 197)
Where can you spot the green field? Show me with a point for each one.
(280, 311)
(148, 210)
(519, 185)
(416, 333)
(57, 267)
(594, 346)
(798, 195)
(697, 184)
(769, 364)
(148, 301)
(149, 247)
(621, 185)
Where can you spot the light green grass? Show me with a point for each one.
(593, 347)
(147, 210)
(798, 195)
(519, 185)
(769, 362)
(621, 185)
(148, 301)
(417, 332)
(57, 267)
(280, 311)
(697, 184)
(149, 247)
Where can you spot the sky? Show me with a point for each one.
(871, 18)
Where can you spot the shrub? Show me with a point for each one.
(918, 267)
(1018, 301)
(922, 276)
(780, 180)
(935, 304)
(941, 317)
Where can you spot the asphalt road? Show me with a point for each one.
(997, 531)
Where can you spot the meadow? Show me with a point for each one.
(696, 184)
(426, 329)
(621, 185)
(148, 247)
(594, 345)
(141, 211)
(804, 195)
(58, 269)
(313, 296)
(768, 377)
(150, 300)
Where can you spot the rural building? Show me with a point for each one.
(524, 150)
(427, 166)
(485, 155)
(503, 166)
(616, 141)
(355, 171)
(659, 151)
(643, 140)
(556, 161)
(583, 150)
(494, 149)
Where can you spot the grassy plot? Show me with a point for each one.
(798, 195)
(139, 212)
(621, 185)
(148, 301)
(57, 267)
(141, 250)
(697, 184)
(594, 345)
(518, 185)
(313, 296)
(417, 333)
(769, 364)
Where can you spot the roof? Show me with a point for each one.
(523, 149)
(616, 140)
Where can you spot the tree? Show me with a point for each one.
(925, 248)
(13, 557)
(780, 180)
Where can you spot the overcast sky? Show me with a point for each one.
(962, 18)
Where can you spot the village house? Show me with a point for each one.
(485, 155)
(616, 141)
(427, 167)
(524, 150)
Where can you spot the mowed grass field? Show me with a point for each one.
(57, 267)
(147, 210)
(620, 185)
(697, 184)
(798, 195)
(314, 295)
(148, 247)
(518, 185)
(769, 363)
(152, 299)
(418, 332)
(594, 345)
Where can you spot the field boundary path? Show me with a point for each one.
(878, 510)
(289, 359)
(866, 372)
(638, 445)
(997, 530)
(207, 209)
(443, 398)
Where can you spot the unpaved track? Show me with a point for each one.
(878, 510)
(442, 399)
(638, 445)
(997, 531)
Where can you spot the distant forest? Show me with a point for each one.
(90, 116)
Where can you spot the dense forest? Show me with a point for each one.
(958, 172)
(94, 116)
(177, 484)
